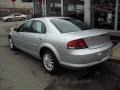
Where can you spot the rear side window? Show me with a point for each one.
(66, 25)
(17, 14)
(39, 27)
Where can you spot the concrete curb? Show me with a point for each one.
(116, 51)
(116, 47)
(3, 35)
(115, 58)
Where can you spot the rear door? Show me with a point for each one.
(18, 16)
(35, 37)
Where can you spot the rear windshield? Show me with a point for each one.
(66, 25)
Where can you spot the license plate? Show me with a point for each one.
(104, 54)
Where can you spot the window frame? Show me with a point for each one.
(27, 1)
(63, 19)
(24, 24)
(41, 27)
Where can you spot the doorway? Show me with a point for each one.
(118, 26)
(74, 9)
(53, 7)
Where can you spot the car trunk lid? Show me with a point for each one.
(94, 38)
(97, 41)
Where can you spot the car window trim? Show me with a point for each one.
(24, 24)
(44, 25)
(60, 29)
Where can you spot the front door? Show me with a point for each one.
(18, 37)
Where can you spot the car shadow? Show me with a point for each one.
(95, 78)
(91, 78)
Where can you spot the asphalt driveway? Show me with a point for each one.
(20, 71)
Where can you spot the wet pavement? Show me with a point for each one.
(20, 71)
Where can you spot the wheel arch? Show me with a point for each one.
(51, 48)
(9, 36)
(9, 19)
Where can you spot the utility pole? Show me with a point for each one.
(13, 1)
(33, 9)
(15, 15)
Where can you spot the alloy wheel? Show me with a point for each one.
(48, 62)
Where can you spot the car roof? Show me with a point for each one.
(47, 18)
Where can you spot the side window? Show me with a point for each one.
(16, 14)
(26, 27)
(39, 27)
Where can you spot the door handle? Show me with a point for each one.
(23, 36)
(40, 38)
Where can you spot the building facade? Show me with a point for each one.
(22, 6)
(104, 14)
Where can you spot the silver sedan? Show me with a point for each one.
(13, 17)
(62, 41)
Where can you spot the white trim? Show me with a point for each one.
(87, 12)
(42, 8)
(62, 7)
(45, 9)
(116, 15)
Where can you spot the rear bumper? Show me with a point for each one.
(70, 65)
(86, 58)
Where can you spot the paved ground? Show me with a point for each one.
(116, 50)
(20, 71)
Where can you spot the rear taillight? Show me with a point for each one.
(76, 44)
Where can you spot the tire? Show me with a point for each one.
(50, 62)
(11, 44)
(9, 20)
(23, 19)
